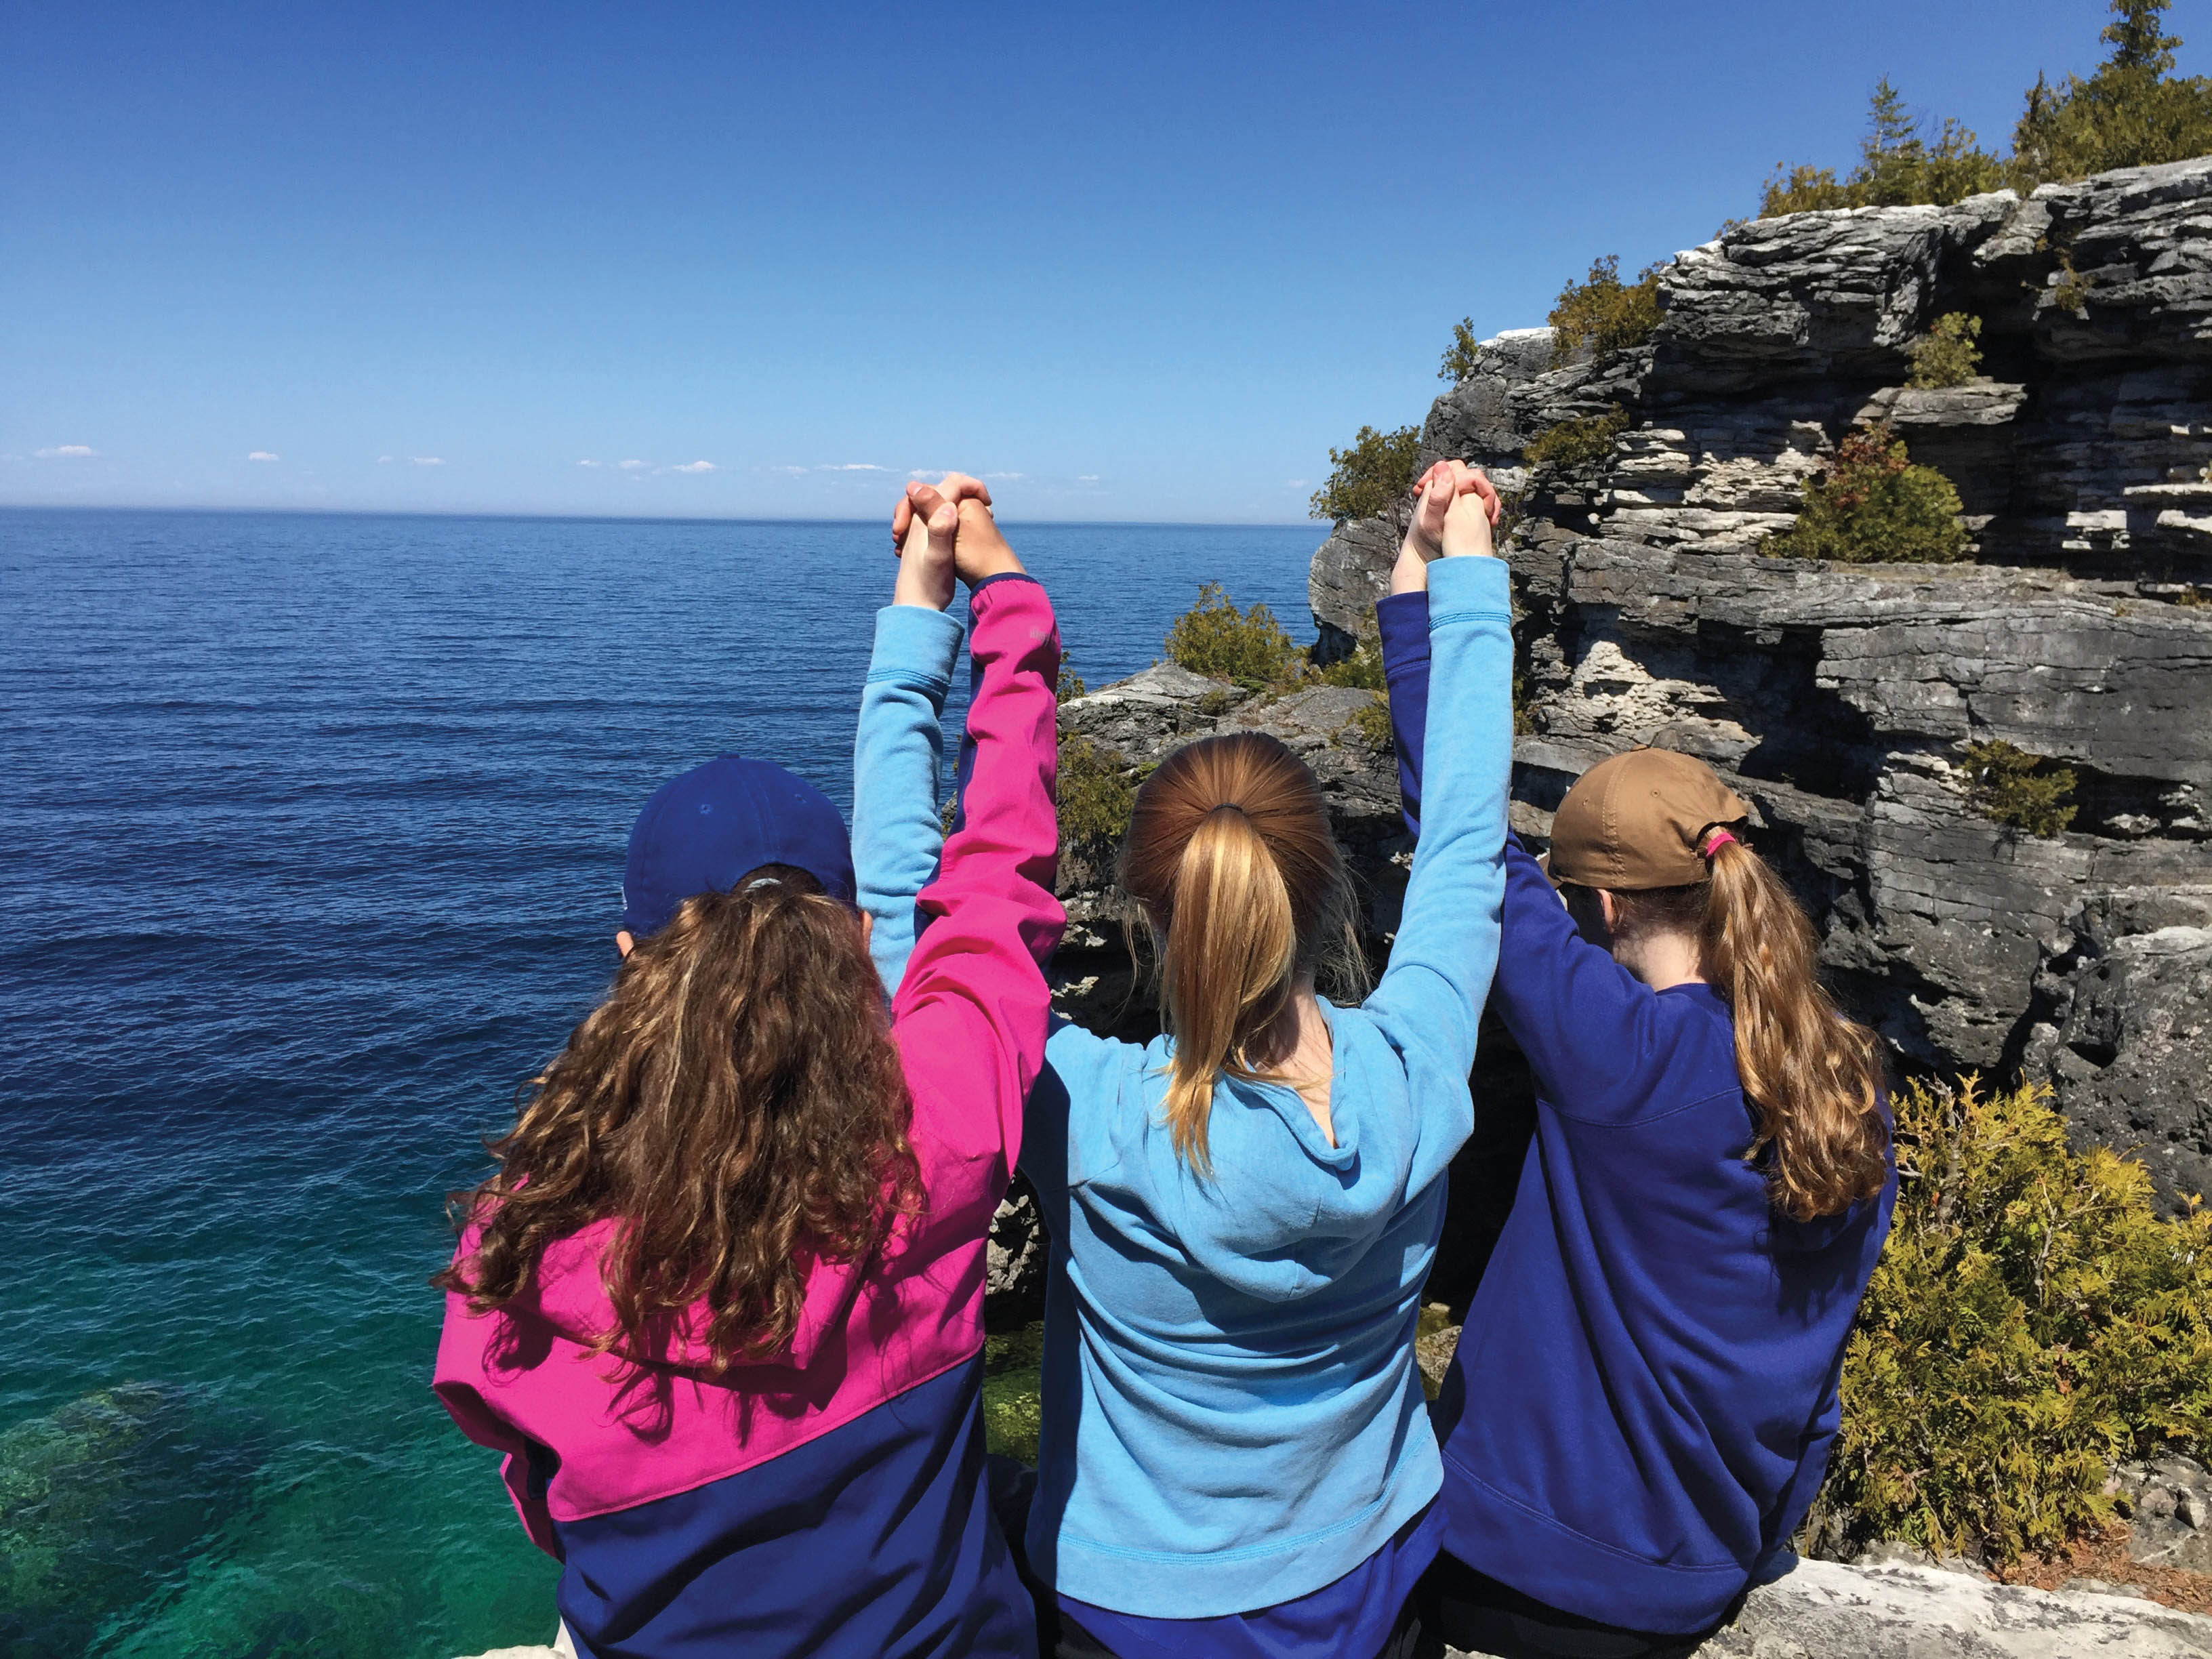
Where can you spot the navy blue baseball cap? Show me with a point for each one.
(706, 828)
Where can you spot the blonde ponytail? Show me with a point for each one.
(1812, 1075)
(1230, 857)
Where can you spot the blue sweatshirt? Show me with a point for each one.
(1643, 1402)
(1232, 1419)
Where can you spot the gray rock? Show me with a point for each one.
(1824, 1610)
(1839, 699)
(2168, 1504)
(1350, 571)
(1016, 1256)
(2124, 1032)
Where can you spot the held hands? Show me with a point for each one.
(944, 530)
(1456, 507)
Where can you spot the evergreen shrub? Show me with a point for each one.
(1874, 506)
(1580, 440)
(1249, 648)
(1373, 479)
(2133, 111)
(1362, 670)
(1461, 354)
(1095, 798)
(1369, 726)
(1947, 355)
(1603, 312)
(2032, 1321)
(2011, 786)
(1898, 165)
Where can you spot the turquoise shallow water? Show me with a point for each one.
(313, 832)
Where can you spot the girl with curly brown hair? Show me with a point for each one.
(721, 1305)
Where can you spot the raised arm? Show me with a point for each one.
(1441, 964)
(1568, 1004)
(973, 1000)
(898, 761)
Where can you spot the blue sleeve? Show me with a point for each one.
(1570, 1006)
(898, 758)
(1077, 1066)
(1579, 1016)
(1441, 964)
(1404, 619)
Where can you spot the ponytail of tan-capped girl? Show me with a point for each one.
(1230, 857)
(1812, 1075)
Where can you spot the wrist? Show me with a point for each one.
(1001, 565)
(1410, 573)
(915, 589)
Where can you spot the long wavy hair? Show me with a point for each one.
(735, 1105)
(1230, 857)
(1813, 1078)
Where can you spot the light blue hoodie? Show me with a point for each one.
(1233, 1417)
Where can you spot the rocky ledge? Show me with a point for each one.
(1824, 1610)
(1839, 699)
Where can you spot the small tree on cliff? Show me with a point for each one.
(2129, 113)
(1603, 312)
(1873, 506)
(1373, 479)
(1898, 165)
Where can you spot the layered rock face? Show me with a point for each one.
(1838, 699)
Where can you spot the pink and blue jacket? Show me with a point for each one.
(830, 1501)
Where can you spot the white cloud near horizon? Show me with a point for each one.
(264, 455)
(382, 460)
(427, 460)
(1086, 477)
(633, 465)
(692, 466)
(65, 453)
(588, 464)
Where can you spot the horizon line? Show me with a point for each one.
(624, 518)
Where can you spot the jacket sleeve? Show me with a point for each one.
(898, 761)
(1446, 951)
(1572, 1009)
(1404, 621)
(972, 1005)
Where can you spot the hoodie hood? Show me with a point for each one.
(1283, 1213)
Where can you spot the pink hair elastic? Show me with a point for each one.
(1715, 841)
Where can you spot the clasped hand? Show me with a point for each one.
(945, 530)
(1455, 508)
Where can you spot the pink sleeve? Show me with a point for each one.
(970, 1015)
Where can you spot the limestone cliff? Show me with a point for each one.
(1838, 698)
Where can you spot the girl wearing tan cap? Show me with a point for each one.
(1643, 1402)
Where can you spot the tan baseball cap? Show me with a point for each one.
(1638, 820)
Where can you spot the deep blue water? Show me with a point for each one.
(312, 830)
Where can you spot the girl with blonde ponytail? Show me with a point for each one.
(1235, 1461)
(1644, 1394)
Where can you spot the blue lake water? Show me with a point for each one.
(312, 830)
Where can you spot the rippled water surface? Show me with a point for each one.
(312, 830)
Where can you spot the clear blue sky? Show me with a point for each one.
(1144, 262)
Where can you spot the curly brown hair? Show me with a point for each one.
(735, 1105)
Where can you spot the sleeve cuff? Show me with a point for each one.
(1468, 590)
(914, 643)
